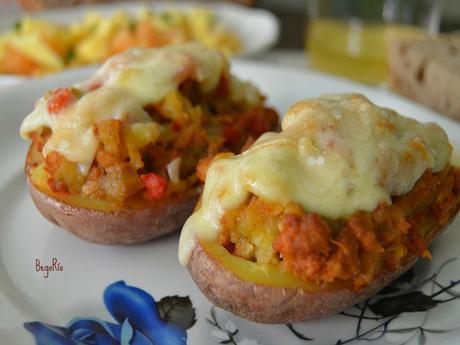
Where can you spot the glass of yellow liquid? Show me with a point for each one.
(350, 37)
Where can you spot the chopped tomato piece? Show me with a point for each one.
(155, 185)
(60, 98)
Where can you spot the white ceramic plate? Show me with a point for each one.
(25, 237)
(258, 29)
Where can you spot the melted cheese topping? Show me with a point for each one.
(150, 74)
(335, 155)
(73, 130)
(127, 82)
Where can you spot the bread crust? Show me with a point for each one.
(268, 304)
(126, 226)
(427, 71)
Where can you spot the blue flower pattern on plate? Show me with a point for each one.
(137, 323)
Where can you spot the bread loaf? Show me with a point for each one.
(428, 71)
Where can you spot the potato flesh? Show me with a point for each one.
(63, 175)
(252, 230)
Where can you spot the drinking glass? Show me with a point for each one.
(350, 37)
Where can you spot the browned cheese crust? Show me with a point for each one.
(116, 227)
(267, 304)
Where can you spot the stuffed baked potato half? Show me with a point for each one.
(115, 159)
(107, 225)
(312, 220)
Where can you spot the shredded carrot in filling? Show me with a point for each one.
(160, 160)
(355, 249)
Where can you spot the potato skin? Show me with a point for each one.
(115, 227)
(267, 304)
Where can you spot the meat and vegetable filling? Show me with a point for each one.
(155, 159)
(356, 248)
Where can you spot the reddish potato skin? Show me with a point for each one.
(116, 227)
(267, 304)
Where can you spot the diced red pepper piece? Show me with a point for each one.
(60, 98)
(155, 185)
